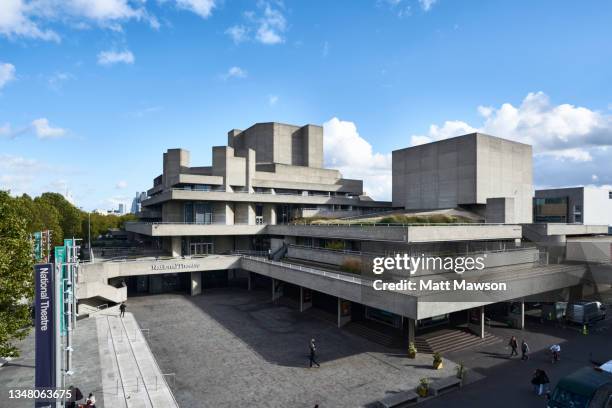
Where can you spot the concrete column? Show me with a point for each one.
(196, 283)
(482, 322)
(305, 299)
(269, 214)
(176, 246)
(522, 317)
(411, 329)
(277, 290)
(344, 312)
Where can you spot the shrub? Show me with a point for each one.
(351, 266)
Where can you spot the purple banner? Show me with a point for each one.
(44, 326)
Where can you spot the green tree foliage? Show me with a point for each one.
(69, 216)
(16, 275)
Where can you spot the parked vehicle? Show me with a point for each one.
(586, 388)
(585, 312)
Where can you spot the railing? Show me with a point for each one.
(223, 190)
(378, 224)
(416, 251)
(319, 272)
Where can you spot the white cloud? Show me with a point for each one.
(350, 153)
(272, 99)
(114, 57)
(17, 173)
(565, 131)
(43, 129)
(234, 72)
(16, 21)
(121, 184)
(594, 177)
(427, 4)
(28, 18)
(7, 73)
(203, 8)
(269, 25)
(238, 33)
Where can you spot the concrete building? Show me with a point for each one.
(482, 173)
(574, 205)
(240, 222)
(269, 174)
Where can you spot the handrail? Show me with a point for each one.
(423, 224)
(350, 252)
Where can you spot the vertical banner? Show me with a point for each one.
(44, 327)
(38, 250)
(60, 261)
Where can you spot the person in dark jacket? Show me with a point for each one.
(524, 350)
(313, 350)
(514, 346)
(539, 381)
(122, 309)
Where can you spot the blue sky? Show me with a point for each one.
(93, 92)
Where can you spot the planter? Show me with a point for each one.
(438, 365)
(412, 354)
(422, 391)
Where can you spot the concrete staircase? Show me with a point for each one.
(131, 376)
(450, 340)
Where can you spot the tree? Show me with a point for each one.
(16, 276)
(69, 215)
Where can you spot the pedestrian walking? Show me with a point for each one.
(122, 309)
(514, 346)
(313, 351)
(539, 381)
(524, 350)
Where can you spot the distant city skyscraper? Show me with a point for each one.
(139, 198)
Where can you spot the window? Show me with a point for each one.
(554, 209)
(610, 195)
(577, 213)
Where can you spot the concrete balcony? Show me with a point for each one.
(548, 229)
(402, 233)
(255, 197)
(174, 229)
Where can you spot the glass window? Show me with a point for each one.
(188, 212)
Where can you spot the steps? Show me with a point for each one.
(131, 376)
(451, 340)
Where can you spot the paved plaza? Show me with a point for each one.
(234, 348)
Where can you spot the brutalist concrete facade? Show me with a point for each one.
(464, 171)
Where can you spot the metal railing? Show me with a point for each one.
(319, 272)
(379, 224)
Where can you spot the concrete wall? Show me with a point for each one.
(585, 250)
(281, 143)
(464, 171)
(597, 206)
(500, 210)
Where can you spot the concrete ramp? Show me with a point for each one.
(131, 377)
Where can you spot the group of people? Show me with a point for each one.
(539, 380)
(514, 348)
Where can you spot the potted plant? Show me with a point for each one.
(437, 361)
(412, 350)
(423, 387)
(460, 371)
